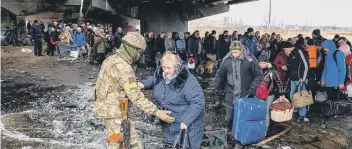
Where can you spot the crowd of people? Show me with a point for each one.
(243, 64)
(93, 42)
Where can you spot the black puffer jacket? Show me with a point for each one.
(160, 44)
(150, 51)
(278, 88)
(90, 37)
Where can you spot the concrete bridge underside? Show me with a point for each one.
(152, 15)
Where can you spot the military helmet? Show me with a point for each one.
(135, 39)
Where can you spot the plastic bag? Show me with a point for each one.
(74, 54)
(26, 50)
(321, 96)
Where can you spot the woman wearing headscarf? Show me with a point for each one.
(99, 46)
(178, 91)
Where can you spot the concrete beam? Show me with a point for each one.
(102, 4)
(29, 7)
(165, 19)
(201, 11)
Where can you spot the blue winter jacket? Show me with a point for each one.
(185, 99)
(250, 43)
(334, 71)
(79, 39)
(36, 33)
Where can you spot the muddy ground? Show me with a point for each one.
(47, 104)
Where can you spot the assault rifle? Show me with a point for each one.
(126, 126)
(123, 137)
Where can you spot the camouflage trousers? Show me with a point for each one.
(113, 126)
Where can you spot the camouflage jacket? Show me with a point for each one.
(117, 80)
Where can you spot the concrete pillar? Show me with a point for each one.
(161, 18)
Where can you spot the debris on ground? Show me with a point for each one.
(60, 114)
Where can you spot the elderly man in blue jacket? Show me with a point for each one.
(334, 72)
(79, 40)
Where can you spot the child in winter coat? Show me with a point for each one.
(270, 78)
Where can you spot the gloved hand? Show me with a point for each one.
(251, 92)
(164, 115)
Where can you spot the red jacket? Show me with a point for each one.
(281, 60)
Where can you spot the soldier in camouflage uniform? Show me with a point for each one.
(117, 81)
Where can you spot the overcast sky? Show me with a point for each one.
(301, 12)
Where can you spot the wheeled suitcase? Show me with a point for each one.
(249, 120)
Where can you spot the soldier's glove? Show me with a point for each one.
(164, 115)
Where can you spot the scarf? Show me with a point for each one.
(127, 53)
(169, 79)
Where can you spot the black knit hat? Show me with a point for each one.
(311, 42)
(35, 21)
(287, 45)
(264, 56)
(213, 32)
(249, 30)
(316, 32)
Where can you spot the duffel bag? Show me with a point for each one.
(332, 108)
(341, 106)
(302, 98)
(281, 110)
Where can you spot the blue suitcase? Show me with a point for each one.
(249, 120)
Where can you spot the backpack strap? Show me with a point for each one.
(269, 74)
(272, 81)
(334, 56)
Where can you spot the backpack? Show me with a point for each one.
(262, 91)
(106, 44)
